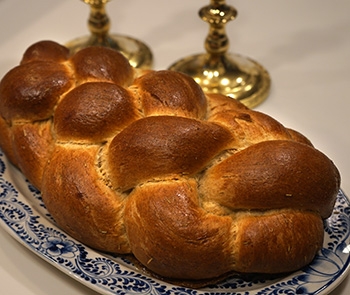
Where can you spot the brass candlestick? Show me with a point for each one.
(138, 53)
(217, 70)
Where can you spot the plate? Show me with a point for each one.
(23, 215)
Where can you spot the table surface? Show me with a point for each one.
(305, 46)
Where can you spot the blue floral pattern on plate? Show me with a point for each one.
(26, 219)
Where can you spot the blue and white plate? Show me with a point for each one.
(24, 216)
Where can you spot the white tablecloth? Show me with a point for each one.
(305, 46)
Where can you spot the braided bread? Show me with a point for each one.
(194, 185)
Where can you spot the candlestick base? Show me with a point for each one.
(230, 74)
(137, 52)
(218, 71)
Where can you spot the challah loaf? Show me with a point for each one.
(194, 185)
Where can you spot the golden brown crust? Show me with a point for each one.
(273, 175)
(94, 64)
(93, 112)
(194, 185)
(29, 92)
(45, 50)
(298, 137)
(169, 232)
(80, 201)
(32, 146)
(146, 142)
(261, 248)
(171, 93)
(6, 141)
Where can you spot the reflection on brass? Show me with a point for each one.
(218, 71)
(138, 53)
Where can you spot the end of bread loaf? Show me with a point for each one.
(194, 185)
